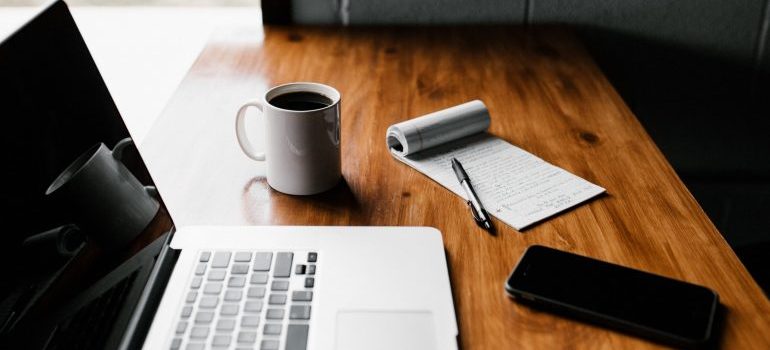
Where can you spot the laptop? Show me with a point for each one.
(91, 259)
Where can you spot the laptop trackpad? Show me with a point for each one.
(377, 330)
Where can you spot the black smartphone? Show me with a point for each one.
(656, 307)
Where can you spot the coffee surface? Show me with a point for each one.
(301, 101)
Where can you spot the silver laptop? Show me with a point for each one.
(306, 287)
(272, 287)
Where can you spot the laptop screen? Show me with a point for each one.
(71, 172)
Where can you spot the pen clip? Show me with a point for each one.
(475, 214)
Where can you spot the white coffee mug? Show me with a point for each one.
(302, 147)
(104, 198)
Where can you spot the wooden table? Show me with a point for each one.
(544, 93)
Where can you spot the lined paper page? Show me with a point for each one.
(514, 185)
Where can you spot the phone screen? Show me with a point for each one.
(615, 293)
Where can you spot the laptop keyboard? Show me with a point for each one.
(247, 300)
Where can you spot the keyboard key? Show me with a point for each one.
(311, 269)
(199, 332)
(191, 296)
(283, 264)
(239, 269)
(203, 317)
(256, 292)
(233, 295)
(250, 321)
(247, 337)
(296, 337)
(208, 302)
(221, 340)
(272, 329)
(212, 288)
(253, 306)
(181, 327)
(312, 257)
(274, 314)
(221, 259)
(302, 295)
(229, 310)
(242, 257)
(236, 281)
(176, 343)
(299, 312)
(269, 345)
(195, 346)
(277, 299)
(217, 275)
(200, 269)
(309, 282)
(280, 285)
(258, 278)
(196, 282)
(186, 311)
(299, 269)
(204, 257)
(262, 261)
(225, 324)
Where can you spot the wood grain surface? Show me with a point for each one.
(545, 95)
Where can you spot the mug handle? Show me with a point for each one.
(240, 131)
(117, 151)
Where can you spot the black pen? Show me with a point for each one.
(479, 213)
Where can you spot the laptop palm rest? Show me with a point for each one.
(377, 330)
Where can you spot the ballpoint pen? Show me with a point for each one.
(479, 213)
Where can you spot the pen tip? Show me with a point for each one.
(489, 227)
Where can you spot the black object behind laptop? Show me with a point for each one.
(634, 301)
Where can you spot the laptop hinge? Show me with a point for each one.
(143, 314)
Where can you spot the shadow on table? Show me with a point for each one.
(707, 113)
(339, 197)
(336, 206)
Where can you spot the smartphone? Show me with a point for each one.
(655, 307)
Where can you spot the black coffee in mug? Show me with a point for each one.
(301, 101)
